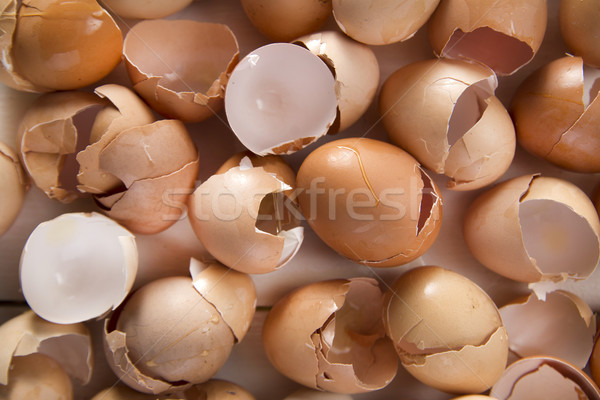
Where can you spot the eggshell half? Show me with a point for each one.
(355, 68)
(561, 325)
(184, 81)
(504, 35)
(69, 345)
(580, 30)
(305, 331)
(533, 228)
(552, 118)
(445, 114)
(145, 9)
(13, 185)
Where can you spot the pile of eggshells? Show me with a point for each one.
(376, 203)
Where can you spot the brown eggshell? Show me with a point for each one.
(13, 185)
(145, 9)
(186, 81)
(224, 212)
(305, 330)
(580, 29)
(382, 22)
(548, 377)
(594, 361)
(552, 120)
(444, 113)
(438, 318)
(61, 45)
(122, 392)
(218, 389)
(356, 72)
(271, 163)
(474, 397)
(311, 394)
(505, 35)
(496, 235)
(370, 201)
(70, 345)
(561, 325)
(49, 135)
(284, 20)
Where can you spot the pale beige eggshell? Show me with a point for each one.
(552, 119)
(47, 136)
(13, 186)
(70, 345)
(561, 325)
(186, 81)
(437, 318)
(311, 394)
(122, 392)
(549, 377)
(284, 20)
(580, 30)
(36, 377)
(355, 68)
(463, 130)
(145, 9)
(297, 337)
(505, 35)
(382, 22)
(223, 214)
(493, 232)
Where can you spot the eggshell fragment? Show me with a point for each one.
(533, 229)
(554, 118)
(504, 35)
(445, 114)
(382, 22)
(311, 394)
(145, 9)
(284, 20)
(280, 98)
(69, 345)
(13, 185)
(77, 266)
(370, 201)
(329, 335)
(561, 325)
(594, 361)
(446, 329)
(186, 81)
(355, 68)
(227, 214)
(547, 377)
(580, 30)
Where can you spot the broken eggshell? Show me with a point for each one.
(174, 332)
(329, 336)
(446, 330)
(533, 228)
(280, 98)
(580, 30)
(445, 114)
(13, 186)
(355, 68)
(145, 9)
(504, 35)
(312, 394)
(547, 377)
(382, 22)
(556, 111)
(77, 266)
(186, 81)
(561, 325)
(242, 219)
(370, 201)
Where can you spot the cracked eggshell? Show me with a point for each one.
(446, 330)
(504, 35)
(155, 183)
(547, 377)
(579, 28)
(280, 98)
(370, 201)
(13, 186)
(534, 229)
(284, 20)
(561, 325)
(69, 345)
(556, 111)
(306, 330)
(464, 131)
(77, 266)
(382, 22)
(186, 81)
(145, 9)
(57, 45)
(225, 214)
(355, 68)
